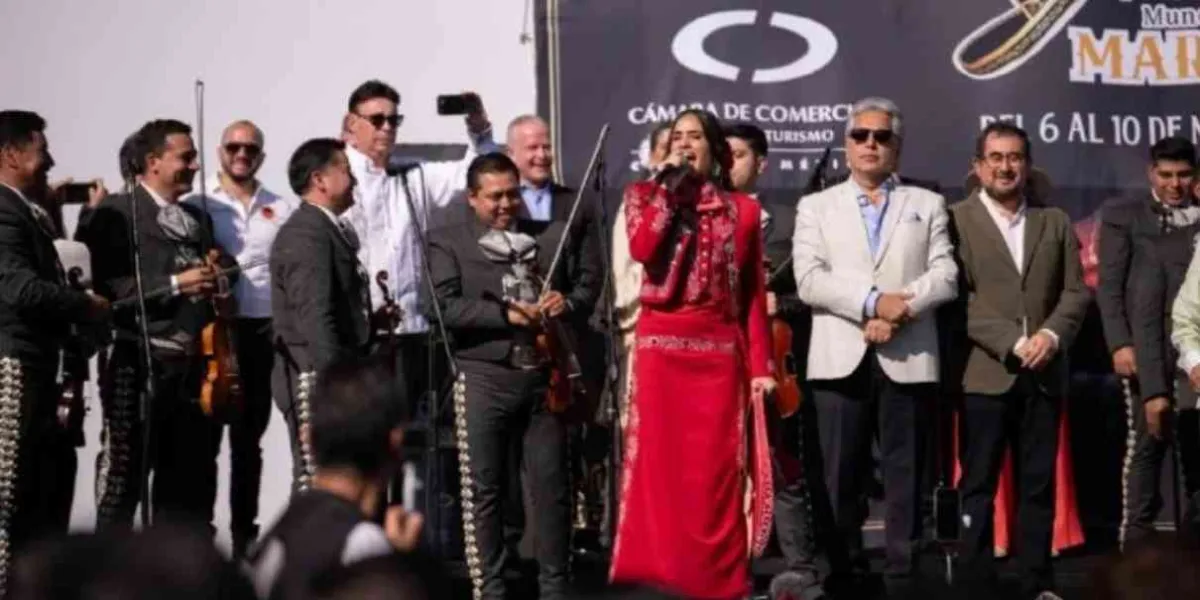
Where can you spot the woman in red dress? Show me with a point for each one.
(695, 488)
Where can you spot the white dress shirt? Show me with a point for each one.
(384, 224)
(1011, 226)
(536, 201)
(1012, 230)
(247, 235)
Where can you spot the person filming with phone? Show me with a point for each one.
(383, 211)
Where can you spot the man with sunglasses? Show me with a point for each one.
(873, 258)
(246, 217)
(382, 218)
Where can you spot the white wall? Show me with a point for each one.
(96, 70)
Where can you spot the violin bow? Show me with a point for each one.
(210, 240)
(562, 240)
(166, 289)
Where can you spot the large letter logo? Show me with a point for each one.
(688, 46)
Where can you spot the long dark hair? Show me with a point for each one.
(714, 134)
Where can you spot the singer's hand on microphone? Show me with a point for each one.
(674, 159)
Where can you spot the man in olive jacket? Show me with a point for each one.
(1024, 301)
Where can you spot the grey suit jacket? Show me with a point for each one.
(835, 273)
(318, 292)
(1155, 280)
(1128, 229)
(1004, 303)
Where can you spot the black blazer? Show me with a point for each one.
(469, 286)
(36, 306)
(319, 303)
(1155, 280)
(108, 234)
(1129, 229)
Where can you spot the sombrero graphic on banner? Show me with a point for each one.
(1007, 41)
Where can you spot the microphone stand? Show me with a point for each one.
(145, 407)
(433, 443)
(610, 402)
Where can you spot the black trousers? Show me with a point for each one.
(418, 365)
(184, 443)
(256, 358)
(1144, 459)
(503, 404)
(42, 458)
(1029, 418)
(851, 412)
(796, 454)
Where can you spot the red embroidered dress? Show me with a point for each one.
(689, 453)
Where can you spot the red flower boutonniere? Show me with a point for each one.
(268, 213)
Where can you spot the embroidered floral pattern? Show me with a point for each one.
(628, 460)
(699, 258)
(677, 343)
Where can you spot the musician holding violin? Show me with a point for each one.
(246, 217)
(180, 270)
(506, 327)
(37, 309)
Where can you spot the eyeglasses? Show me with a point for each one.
(233, 148)
(997, 159)
(861, 135)
(378, 119)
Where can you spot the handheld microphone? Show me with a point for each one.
(673, 176)
(398, 164)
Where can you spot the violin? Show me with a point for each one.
(221, 393)
(787, 389)
(74, 372)
(391, 308)
(555, 344)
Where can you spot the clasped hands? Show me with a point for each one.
(1035, 352)
(527, 314)
(891, 312)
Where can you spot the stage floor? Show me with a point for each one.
(1073, 574)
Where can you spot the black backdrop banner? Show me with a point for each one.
(1094, 82)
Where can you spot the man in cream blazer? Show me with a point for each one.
(874, 259)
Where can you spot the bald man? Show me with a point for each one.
(246, 216)
(548, 205)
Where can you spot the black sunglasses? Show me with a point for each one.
(252, 150)
(377, 120)
(881, 136)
